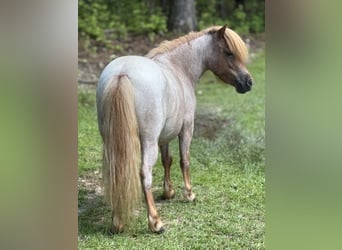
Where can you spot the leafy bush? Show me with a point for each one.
(243, 19)
(100, 19)
(94, 18)
(239, 21)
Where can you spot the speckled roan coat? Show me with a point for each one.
(144, 102)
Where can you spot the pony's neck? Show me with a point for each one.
(190, 57)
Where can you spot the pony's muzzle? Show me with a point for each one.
(249, 83)
(244, 85)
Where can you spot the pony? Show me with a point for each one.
(143, 102)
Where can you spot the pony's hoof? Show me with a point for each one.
(116, 229)
(168, 195)
(189, 196)
(157, 227)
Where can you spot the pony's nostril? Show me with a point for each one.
(249, 82)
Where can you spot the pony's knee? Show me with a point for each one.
(167, 161)
(184, 164)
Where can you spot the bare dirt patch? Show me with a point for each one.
(90, 190)
(208, 123)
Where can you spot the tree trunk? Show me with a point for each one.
(164, 6)
(182, 16)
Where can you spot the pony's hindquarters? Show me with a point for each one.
(121, 151)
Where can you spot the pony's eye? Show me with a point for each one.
(229, 54)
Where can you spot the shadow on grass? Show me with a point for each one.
(94, 216)
(208, 123)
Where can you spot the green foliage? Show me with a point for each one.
(103, 19)
(93, 18)
(239, 21)
(243, 19)
(255, 11)
(205, 16)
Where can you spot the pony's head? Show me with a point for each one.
(228, 59)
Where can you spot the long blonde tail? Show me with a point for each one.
(121, 152)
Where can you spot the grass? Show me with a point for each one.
(227, 171)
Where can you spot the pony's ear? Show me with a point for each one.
(222, 31)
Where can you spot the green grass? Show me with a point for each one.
(227, 172)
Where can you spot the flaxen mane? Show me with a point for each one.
(233, 40)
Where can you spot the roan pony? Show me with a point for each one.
(144, 102)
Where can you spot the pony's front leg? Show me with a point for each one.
(167, 161)
(149, 158)
(184, 145)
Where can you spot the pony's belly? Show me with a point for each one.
(168, 133)
(166, 138)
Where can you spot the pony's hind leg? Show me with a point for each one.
(149, 158)
(184, 145)
(167, 161)
(117, 226)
